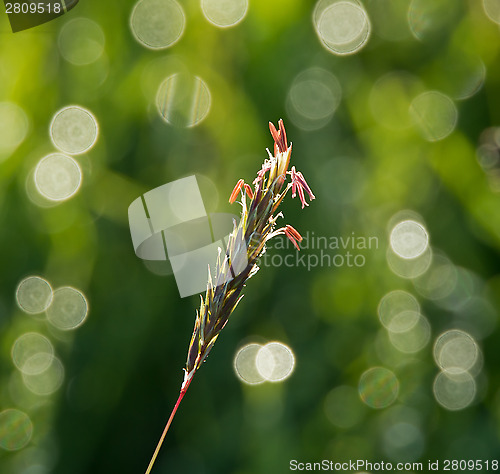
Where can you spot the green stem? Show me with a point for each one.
(169, 422)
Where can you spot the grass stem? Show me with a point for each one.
(167, 426)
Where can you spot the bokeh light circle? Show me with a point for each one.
(439, 281)
(57, 177)
(81, 41)
(313, 98)
(68, 310)
(275, 361)
(224, 13)
(464, 77)
(431, 20)
(404, 215)
(403, 321)
(394, 303)
(183, 100)
(378, 387)
(32, 353)
(14, 126)
(467, 285)
(244, 365)
(409, 268)
(409, 332)
(48, 381)
(159, 267)
(343, 407)
(477, 316)
(157, 24)
(342, 26)
(409, 239)
(16, 429)
(74, 130)
(455, 351)
(434, 114)
(34, 295)
(488, 156)
(403, 441)
(454, 391)
(492, 10)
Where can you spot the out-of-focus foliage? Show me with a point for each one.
(404, 128)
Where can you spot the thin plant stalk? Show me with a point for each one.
(247, 243)
(167, 426)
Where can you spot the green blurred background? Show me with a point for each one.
(373, 157)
